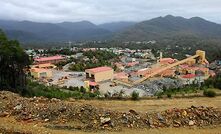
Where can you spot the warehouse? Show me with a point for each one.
(41, 73)
(52, 59)
(99, 74)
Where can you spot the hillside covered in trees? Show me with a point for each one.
(156, 28)
(169, 27)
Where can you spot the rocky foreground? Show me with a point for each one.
(57, 114)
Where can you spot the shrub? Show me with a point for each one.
(209, 93)
(169, 95)
(135, 95)
(36, 89)
(159, 95)
(82, 89)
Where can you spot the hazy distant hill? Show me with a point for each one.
(157, 28)
(49, 32)
(116, 26)
(170, 26)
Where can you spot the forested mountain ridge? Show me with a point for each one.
(169, 27)
(157, 28)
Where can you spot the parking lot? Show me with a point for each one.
(105, 87)
(62, 78)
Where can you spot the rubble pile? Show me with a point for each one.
(154, 86)
(59, 114)
(199, 116)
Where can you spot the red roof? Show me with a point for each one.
(38, 70)
(99, 69)
(93, 83)
(121, 75)
(58, 57)
(130, 64)
(189, 76)
(167, 60)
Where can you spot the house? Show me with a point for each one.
(99, 74)
(51, 59)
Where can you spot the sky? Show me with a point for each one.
(102, 11)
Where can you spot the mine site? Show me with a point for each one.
(110, 67)
(42, 115)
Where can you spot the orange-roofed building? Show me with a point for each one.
(131, 64)
(121, 76)
(168, 73)
(51, 59)
(189, 76)
(44, 66)
(99, 74)
(167, 61)
(41, 73)
(185, 69)
(143, 72)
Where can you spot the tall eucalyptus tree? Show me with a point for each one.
(13, 62)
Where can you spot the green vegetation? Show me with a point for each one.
(174, 91)
(176, 47)
(116, 95)
(100, 55)
(36, 89)
(209, 93)
(213, 82)
(96, 59)
(65, 51)
(209, 84)
(135, 95)
(13, 61)
(169, 95)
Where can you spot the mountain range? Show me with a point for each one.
(169, 27)
(157, 28)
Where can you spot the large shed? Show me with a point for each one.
(99, 74)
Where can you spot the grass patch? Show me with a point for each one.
(36, 89)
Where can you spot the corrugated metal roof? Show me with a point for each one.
(189, 76)
(58, 57)
(99, 69)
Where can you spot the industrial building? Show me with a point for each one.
(52, 59)
(99, 74)
(44, 66)
(39, 73)
(190, 67)
(122, 76)
(42, 70)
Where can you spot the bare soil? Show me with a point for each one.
(10, 124)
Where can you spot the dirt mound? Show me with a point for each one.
(68, 115)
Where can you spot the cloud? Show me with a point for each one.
(99, 11)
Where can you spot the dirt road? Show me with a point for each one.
(154, 105)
